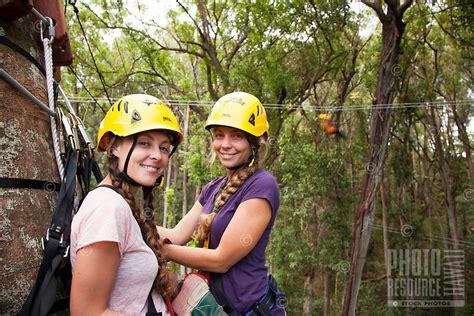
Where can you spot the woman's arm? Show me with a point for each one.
(183, 231)
(242, 234)
(93, 279)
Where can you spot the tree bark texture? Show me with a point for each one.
(392, 31)
(26, 153)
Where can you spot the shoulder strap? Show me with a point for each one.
(106, 186)
(151, 310)
(84, 174)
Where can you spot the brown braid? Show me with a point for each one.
(239, 177)
(164, 281)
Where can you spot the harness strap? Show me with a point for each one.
(29, 184)
(7, 42)
(151, 306)
(84, 172)
(260, 308)
(216, 282)
(56, 245)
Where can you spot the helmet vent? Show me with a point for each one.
(135, 117)
(118, 106)
(125, 106)
(252, 119)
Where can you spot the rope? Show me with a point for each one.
(48, 61)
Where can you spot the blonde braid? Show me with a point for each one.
(164, 281)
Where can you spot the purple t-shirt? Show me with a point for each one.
(246, 281)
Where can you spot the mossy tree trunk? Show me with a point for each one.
(26, 153)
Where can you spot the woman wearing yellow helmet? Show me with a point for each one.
(117, 260)
(235, 212)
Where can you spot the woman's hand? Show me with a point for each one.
(184, 230)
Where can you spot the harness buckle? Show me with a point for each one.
(55, 234)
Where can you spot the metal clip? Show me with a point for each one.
(80, 125)
(51, 29)
(68, 129)
(74, 123)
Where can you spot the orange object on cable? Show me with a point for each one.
(329, 126)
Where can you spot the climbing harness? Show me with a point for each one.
(272, 298)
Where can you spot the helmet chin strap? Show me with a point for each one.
(123, 174)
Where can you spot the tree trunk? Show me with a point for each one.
(385, 199)
(309, 286)
(327, 281)
(308, 293)
(27, 153)
(392, 32)
(444, 173)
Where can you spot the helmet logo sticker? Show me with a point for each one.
(165, 118)
(252, 119)
(135, 117)
(235, 100)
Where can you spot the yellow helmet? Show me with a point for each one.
(137, 113)
(322, 117)
(239, 110)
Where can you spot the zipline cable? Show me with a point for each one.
(394, 230)
(343, 108)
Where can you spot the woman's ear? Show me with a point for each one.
(114, 147)
(114, 150)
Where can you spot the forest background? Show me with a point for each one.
(303, 59)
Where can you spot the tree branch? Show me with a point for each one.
(377, 7)
(191, 17)
(405, 6)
